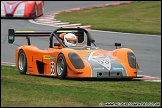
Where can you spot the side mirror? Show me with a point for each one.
(117, 44)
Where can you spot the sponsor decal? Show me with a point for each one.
(52, 57)
(98, 68)
(117, 68)
(66, 31)
(47, 57)
(25, 31)
(11, 38)
(19, 11)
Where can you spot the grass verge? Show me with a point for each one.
(138, 17)
(19, 90)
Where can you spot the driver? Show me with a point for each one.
(70, 39)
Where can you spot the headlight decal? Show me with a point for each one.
(76, 60)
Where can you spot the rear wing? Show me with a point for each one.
(24, 33)
(79, 32)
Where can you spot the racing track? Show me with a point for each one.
(146, 47)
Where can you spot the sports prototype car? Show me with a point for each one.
(85, 60)
(22, 9)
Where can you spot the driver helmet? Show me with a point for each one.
(70, 39)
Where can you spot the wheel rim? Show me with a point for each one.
(22, 61)
(60, 66)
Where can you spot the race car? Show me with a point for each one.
(21, 9)
(85, 60)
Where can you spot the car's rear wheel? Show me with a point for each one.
(22, 62)
(61, 67)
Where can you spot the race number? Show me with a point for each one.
(52, 65)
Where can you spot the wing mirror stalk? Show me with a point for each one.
(117, 44)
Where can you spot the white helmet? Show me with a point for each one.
(70, 39)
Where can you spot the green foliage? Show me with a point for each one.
(138, 17)
(19, 90)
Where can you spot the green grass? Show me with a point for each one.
(19, 90)
(138, 17)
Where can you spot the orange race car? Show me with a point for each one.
(84, 60)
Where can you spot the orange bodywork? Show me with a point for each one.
(33, 54)
(81, 61)
(120, 54)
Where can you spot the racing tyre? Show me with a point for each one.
(22, 62)
(61, 67)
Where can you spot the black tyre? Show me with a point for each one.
(61, 67)
(22, 62)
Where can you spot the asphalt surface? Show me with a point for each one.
(146, 47)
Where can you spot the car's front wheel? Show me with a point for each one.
(61, 67)
(22, 62)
